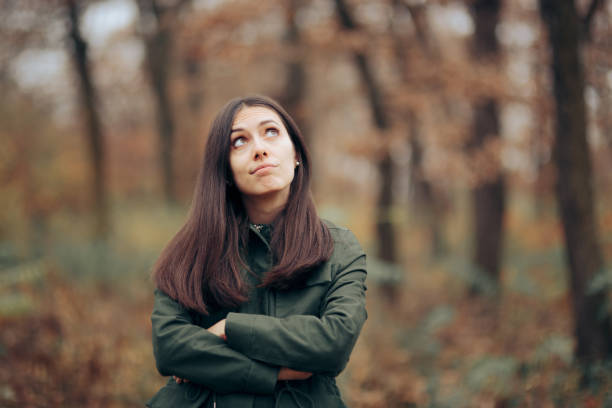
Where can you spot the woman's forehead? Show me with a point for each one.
(254, 115)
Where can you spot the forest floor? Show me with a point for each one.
(86, 342)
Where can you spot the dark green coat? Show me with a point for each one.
(312, 328)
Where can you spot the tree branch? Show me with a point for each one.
(588, 18)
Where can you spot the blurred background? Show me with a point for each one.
(467, 143)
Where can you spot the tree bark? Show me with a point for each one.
(292, 98)
(575, 193)
(588, 18)
(384, 226)
(424, 195)
(422, 189)
(540, 152)
(158, 45)
(488, 197)
(193, 67)
(90, 102)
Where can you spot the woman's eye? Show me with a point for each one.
(239, 141)
(271, 132)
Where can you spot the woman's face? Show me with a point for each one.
(262, 156)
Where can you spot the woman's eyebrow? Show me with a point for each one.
(263, 122)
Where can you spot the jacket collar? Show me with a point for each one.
(263, 232)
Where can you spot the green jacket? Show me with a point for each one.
(312, 328)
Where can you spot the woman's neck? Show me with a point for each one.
(264, 209)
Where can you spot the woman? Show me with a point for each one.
(258, 302)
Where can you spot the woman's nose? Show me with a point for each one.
(259, 149)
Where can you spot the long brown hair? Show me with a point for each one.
(201, 266)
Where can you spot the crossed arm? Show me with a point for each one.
(250, 353)
(284, 373)
(307, 342)
(189, 352)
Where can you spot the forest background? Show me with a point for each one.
(468, 144)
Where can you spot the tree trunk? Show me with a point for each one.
(540, 138)
(605, 118)
(488, 201)
(574, 182)
(384, 226)
(295, 85)
(193, 67)
(158, 44)
(90, 102)
(488, 196)
(422, 189)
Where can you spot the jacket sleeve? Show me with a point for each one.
(310, 343)
(188, 351)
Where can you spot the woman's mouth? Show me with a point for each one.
(262, 168)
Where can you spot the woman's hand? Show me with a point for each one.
(179, 380)
(289, 374)
(218, 329)
(284, 374)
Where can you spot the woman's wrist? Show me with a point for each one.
(218, 329)
(288, 374)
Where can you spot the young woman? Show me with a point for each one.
(258, 302)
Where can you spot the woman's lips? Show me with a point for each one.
(262, 168)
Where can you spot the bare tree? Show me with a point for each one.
(575, 193)
(90, 102)
(193, 67)
(157, 21)
(423, 192)
(384, 226)
(295, 85)
(488, 196)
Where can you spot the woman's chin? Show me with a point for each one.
(267, 191)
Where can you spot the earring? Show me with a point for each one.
(297, 163)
